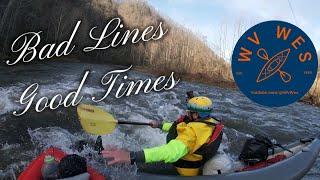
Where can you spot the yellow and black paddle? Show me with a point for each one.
(97, 121)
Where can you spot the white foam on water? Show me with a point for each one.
(59, 87)
(169, 112)
(135, 140)
(52, 136)
(221, 161)
(8, 174)
(156, 99)
(146, 136)
(171, 97)
(136, 107)
(8, 97)
(228, 100)
(92, 90)
(7, 146)
(5, 104)
(137, 117)
(118, 139)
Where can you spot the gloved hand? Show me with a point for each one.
(156, 124)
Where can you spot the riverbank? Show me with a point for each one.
(311, 98)
(196, 78)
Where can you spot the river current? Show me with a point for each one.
(23, 138)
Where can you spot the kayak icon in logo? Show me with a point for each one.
(274, 63)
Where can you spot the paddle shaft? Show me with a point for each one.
(144, 123)
(134, 123)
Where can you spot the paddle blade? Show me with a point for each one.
(286, 77)
(95, 120)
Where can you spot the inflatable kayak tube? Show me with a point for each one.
(33, 171)
(293, 167)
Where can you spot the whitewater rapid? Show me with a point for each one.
(28, 136)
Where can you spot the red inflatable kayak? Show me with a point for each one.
(33, 171)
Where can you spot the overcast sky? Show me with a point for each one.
(220, 19)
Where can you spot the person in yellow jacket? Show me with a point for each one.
(191, 141)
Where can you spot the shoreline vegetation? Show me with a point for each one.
(311, 98)
(197, 78)
(180, 50)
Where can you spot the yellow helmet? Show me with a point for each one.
(200, 104)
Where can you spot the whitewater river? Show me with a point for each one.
(22, 138)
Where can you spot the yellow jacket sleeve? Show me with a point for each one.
(186, 135)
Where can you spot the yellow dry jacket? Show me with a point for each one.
(183, 149)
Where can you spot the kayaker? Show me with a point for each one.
(192, 140)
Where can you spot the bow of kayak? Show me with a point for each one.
(284, 165)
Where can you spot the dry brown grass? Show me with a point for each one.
(313, 96)
(180, 50)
